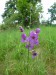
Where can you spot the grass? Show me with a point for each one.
(13, 54)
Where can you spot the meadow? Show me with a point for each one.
(13, 54)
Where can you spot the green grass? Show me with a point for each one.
(13, 54)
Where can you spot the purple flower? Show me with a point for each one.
(38, 30)
(30, 47)
(23, 38)
(36, 42)
(33, 38)
(34, 54)
(21, 29)
(33, 35)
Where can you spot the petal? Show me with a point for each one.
(22, 40)
(24, 36)
(30, 47)
(38, 30)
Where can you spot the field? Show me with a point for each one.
(13, 54)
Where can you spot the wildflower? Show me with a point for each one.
(23, 38)
(34, 54)
(33, 34)
(30, 41)
(38, 30)
(29, 46)
(33, 38)
(21, 29)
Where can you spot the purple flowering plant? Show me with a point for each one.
(31, 40)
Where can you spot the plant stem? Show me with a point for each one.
(28, 62)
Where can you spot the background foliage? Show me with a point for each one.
(52, 11)
(25, 12)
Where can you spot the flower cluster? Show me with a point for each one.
(31, 40)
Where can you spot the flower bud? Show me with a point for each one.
(38, 30)
(21, 29)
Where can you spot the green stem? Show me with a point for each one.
(28, 62)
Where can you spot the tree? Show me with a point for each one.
(10, 8)
(52, 11)
(24, 11)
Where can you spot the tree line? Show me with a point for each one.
(24, 12)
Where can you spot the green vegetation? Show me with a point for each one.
(13, 54)
(25, 12)
(52, 11)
